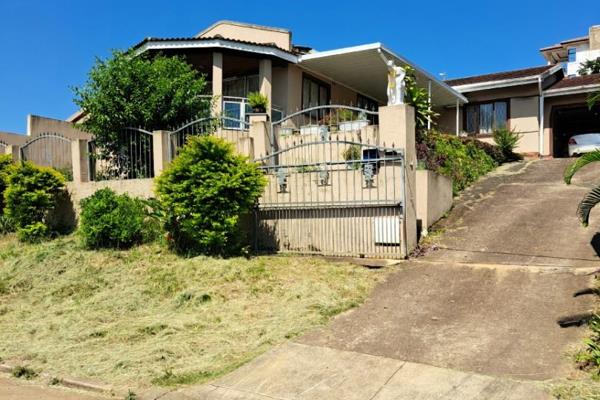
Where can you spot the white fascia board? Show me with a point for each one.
(472, 87)
(216, 43)
(376, 46)
(571, 90)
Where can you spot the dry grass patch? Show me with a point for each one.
(146, 316)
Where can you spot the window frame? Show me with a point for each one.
(479, 104)
(320, 84)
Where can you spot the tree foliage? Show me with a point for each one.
(204, 192)
(139, 91)
(418, 97)
(592, 198)
(589, 67)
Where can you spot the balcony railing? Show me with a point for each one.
(238, 108)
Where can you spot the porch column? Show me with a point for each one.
(217, 83)
(429, 102)
(160, 150)
(265, 72)
(457, 117)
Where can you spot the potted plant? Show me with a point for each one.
(349, 121)
(258, 101)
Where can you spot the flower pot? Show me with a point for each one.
(311, 129)
(349, 126)
(259, 110)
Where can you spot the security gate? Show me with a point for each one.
(336, 195)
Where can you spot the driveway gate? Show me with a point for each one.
(332, 196)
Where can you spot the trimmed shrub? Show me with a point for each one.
(463, 161)
(110, 220)
(33, 233)
(204, 192)
(507, 140)
(30, 197)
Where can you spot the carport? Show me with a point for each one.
(571, 120)
(569, 114)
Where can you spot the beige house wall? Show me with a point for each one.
(135, 187)
(279, 88)
(12, 138)
(595, 37)
(524, 119)
(250, 33)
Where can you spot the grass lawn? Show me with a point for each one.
(145, 316)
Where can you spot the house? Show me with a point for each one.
(239, 58)
(546, 104)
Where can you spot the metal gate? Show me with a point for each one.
(50, 150)
(332, 196)
(227, 128)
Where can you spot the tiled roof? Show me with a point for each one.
(565, 42)
(196, 39)
(575, 81)
(499, 76)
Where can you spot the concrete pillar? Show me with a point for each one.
(265, 77)
(160, 150)
(14, 150)
(81, 160)
(217, 82)
(260, 133)
(397, 127)
(595, 37)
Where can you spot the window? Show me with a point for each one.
(571, 54)
(484, 118)
(366, 103)
(314, 93)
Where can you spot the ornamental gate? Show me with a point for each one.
(333, 193)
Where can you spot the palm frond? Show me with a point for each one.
(580, 163)
(585, 206)
(593, 99)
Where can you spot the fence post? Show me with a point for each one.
(14, 151)
(397, 128)
(160, 149)
(80, 160)
(260, 134)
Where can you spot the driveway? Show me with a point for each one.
(475, 319)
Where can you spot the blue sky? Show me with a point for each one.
(48, 46)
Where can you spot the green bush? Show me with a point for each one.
(7, 166)
(33, 233)
(491, 150)
(30, 197)
(448, 155)
(109, 220)
(204, 192)
(507, 140)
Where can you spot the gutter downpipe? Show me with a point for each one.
(429, 103)
(457, 117)
(541, 116)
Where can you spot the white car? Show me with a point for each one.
(585, 143)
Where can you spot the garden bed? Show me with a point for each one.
(147, 317)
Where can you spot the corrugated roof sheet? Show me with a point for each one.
(205, 39)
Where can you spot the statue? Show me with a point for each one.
(396, 85)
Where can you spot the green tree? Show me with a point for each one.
(592, 198)
(204, 192)
(139, 91)
(589, 67)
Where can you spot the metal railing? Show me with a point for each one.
(50, 150)
(220, 126)
(130, 156)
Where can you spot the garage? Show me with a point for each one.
(571, 120)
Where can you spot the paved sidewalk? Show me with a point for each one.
(12, 389)
(294, 371)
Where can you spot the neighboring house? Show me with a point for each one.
(239, 58)
(547, 104)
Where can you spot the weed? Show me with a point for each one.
(171, 379)
(24, 372)
(130, 395)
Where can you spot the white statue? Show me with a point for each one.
(396, 85)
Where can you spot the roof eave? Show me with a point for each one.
(572, 90)
(151, 44)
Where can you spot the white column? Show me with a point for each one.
(457, 117)
(217, 82)
(429, 101)
(265, 75)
